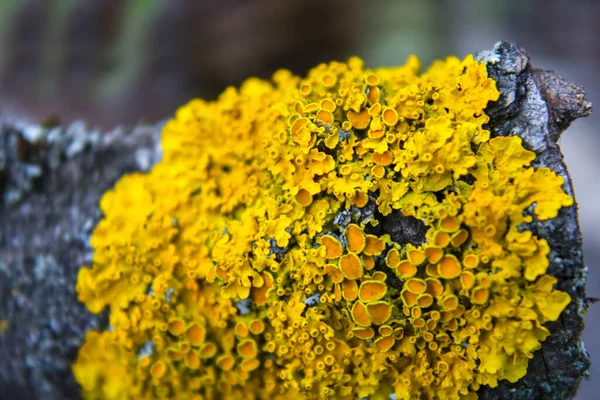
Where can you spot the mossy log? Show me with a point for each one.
(51, 180)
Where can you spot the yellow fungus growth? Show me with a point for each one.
(356, 238)
(371, 290)
(449, 303)
(390, 116)
(256, 260)
(360, 199)
(175, 355)
(351, 266)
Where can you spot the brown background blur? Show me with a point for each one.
(117, 62)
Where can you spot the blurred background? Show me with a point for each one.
(113, 62)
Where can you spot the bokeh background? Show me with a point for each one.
(121, 62)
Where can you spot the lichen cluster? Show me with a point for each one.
(253, 261)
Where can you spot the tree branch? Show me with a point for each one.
(51, 181)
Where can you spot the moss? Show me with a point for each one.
(273, 195)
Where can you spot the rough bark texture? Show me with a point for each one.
(51, 181)
(538, 106)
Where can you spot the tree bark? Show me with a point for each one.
(51, 180)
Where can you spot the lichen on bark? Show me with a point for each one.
(51, 183)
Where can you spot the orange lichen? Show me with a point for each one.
(333, 248)
(158, 369)
(336, 274)
(372, 290)
(374, 246)
(393, 258)
(379, 312)
(176, 327)
(225, 362)
(416, 256)
(416, 285)
(356, 238)
(442, 239)
(470, 261)
(241, 330)
(368, 262)
(449, 267)
(364, 333)
(195, 334)
(257, 327)
(192, 360)
(303, 197)
(359, 314)
(247, 348)
(350, 290)
(480, 295)
(255, 260)
(406, 269)
(467, 279)
(450, 224)
(359, 120)
(351, 266)
(434, 287)
(384, 344)
(207, 350)
(434, 254)
(458, 238)
(250, 365)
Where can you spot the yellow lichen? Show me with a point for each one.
(251, 262)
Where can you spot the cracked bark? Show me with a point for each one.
(51, 181)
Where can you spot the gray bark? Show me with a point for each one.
(52, 178)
